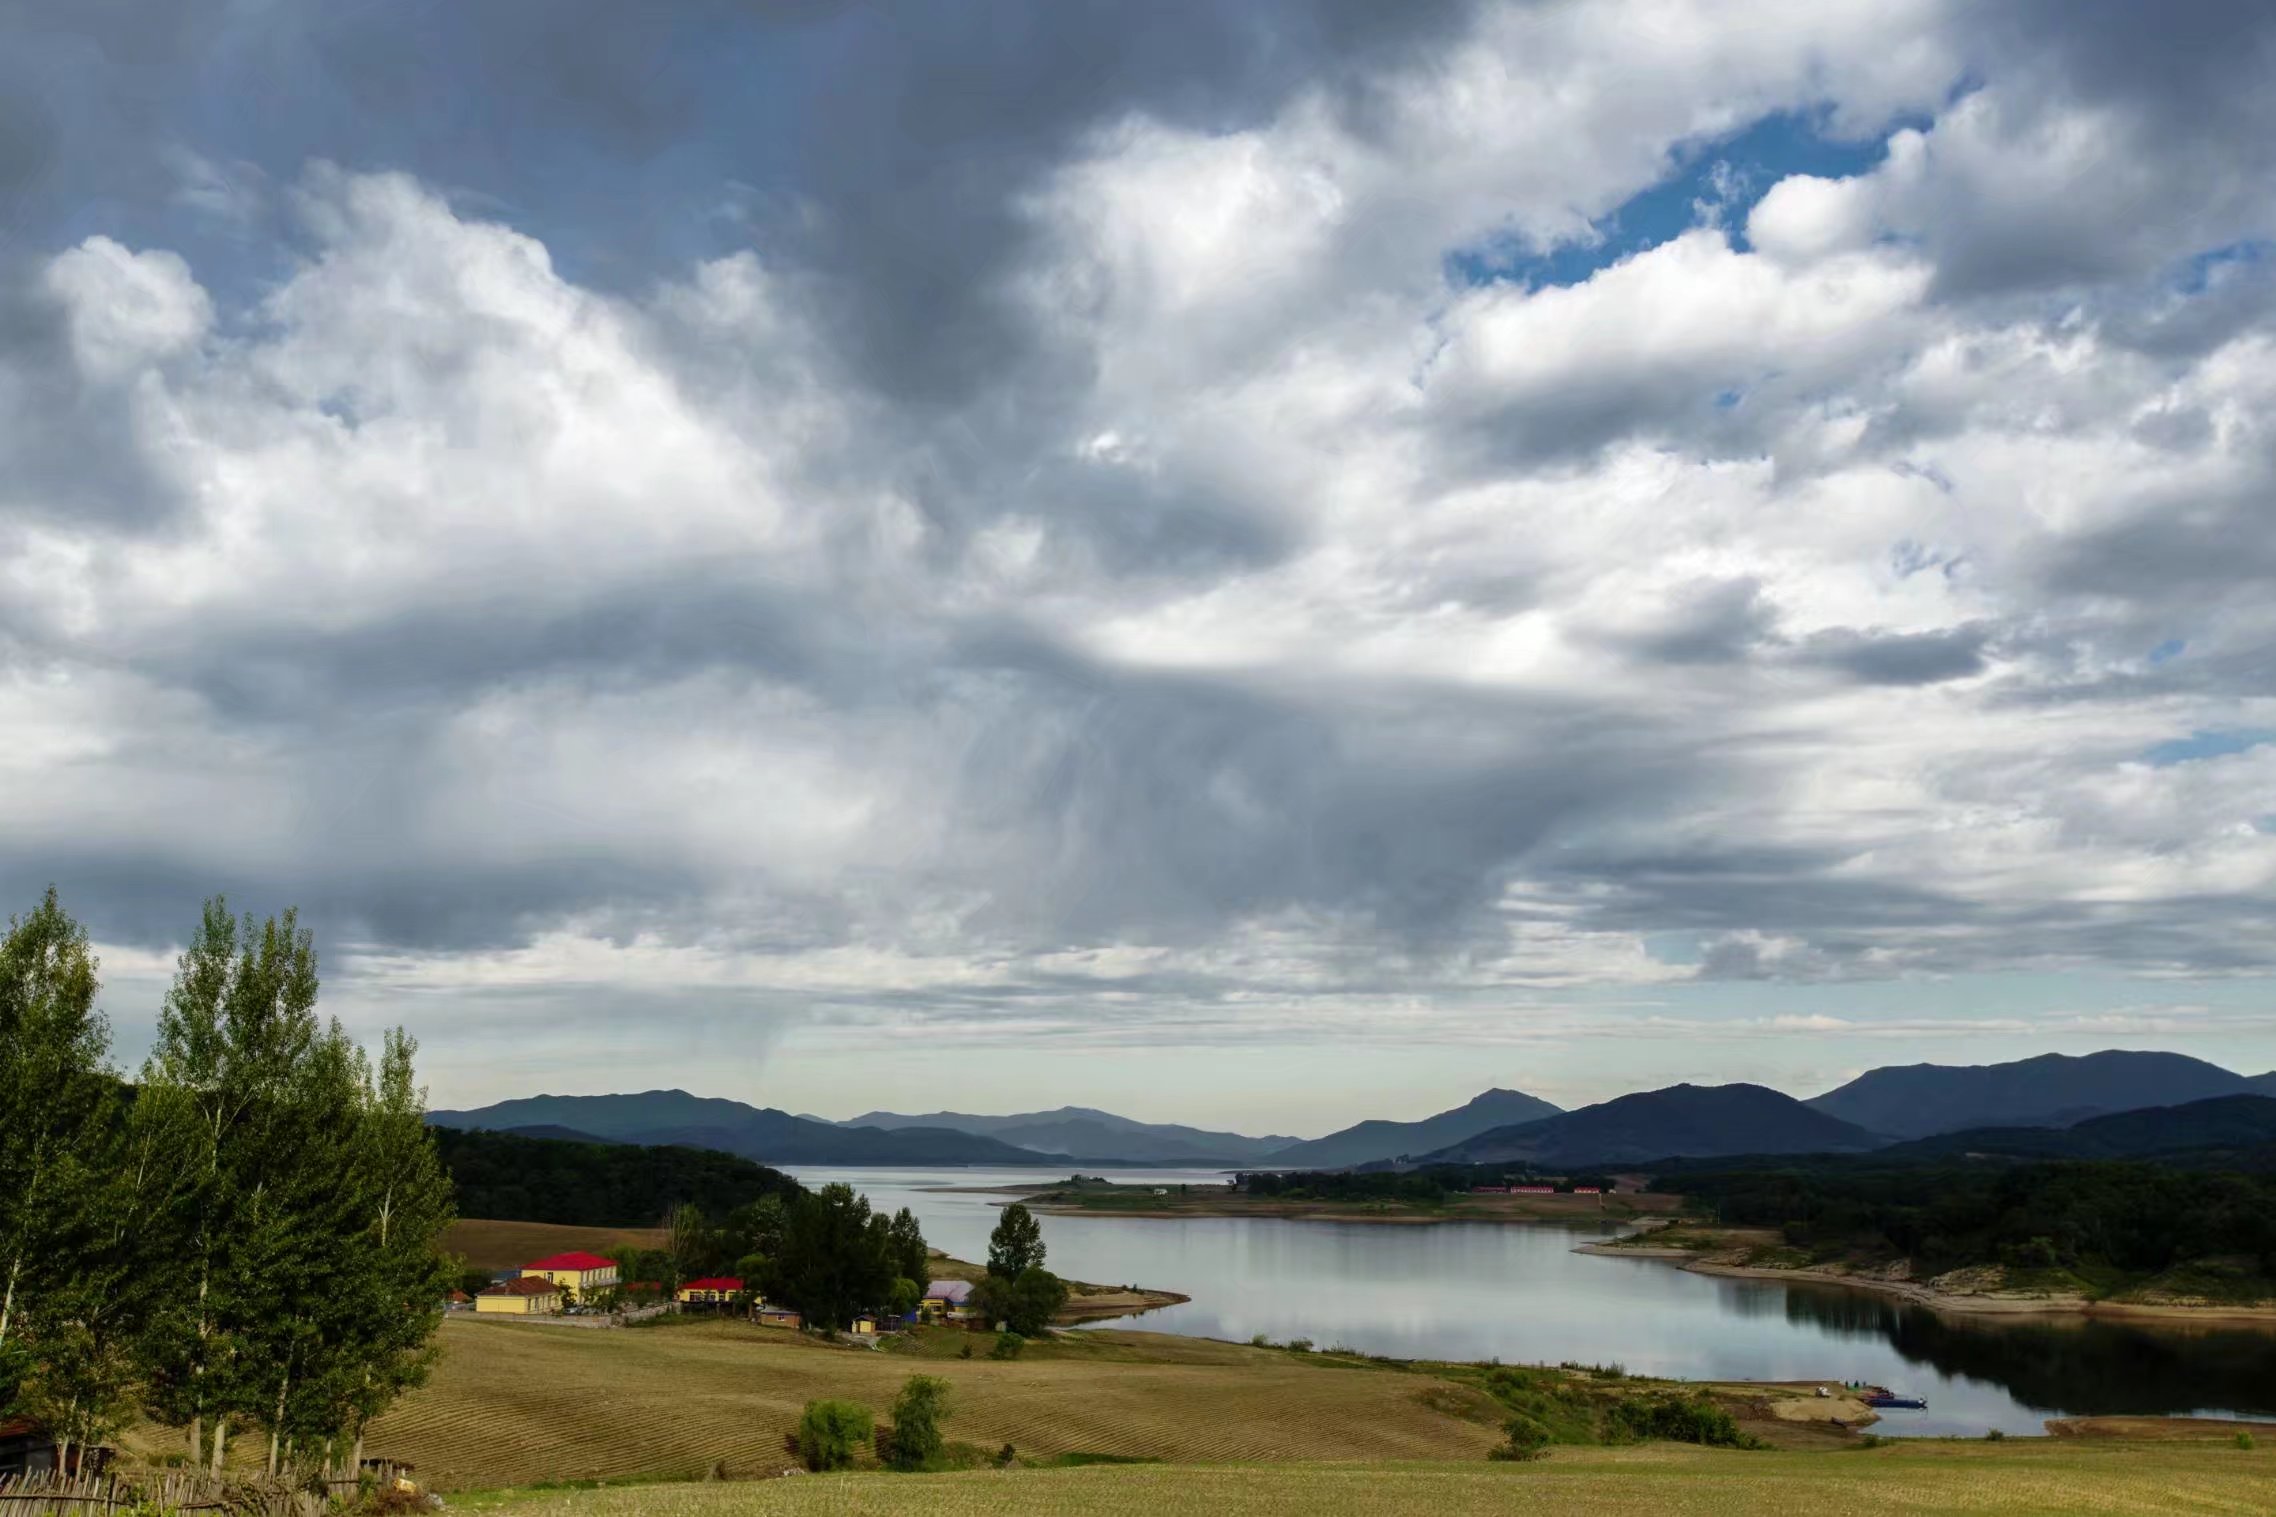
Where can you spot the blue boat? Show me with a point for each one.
(1886, 1400)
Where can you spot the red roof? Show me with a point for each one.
(714, 1283)
(573, 1261)
(527, 1285)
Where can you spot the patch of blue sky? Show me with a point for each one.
(1713, 180)
(2205, 744)
(2201, 271)
(2169, 650)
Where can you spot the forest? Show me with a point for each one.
(510, 1177)
(2099, 1220)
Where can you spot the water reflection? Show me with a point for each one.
(1519, 1293)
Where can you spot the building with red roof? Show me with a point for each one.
(712, 1290)
(529, 1296)
(578, 1273)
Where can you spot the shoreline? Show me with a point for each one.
(1956, 1303)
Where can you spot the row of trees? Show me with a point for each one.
(824, 1253)
(243, 1239)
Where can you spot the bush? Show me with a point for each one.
(830, 1431)
(1007, 1346)
(1005, 1456)
(1995, 1436)
(1300, 1345)
(916, 1441)
(1677, 1419)
(1526, 1439)
(966, 1351)
(2244, 1440)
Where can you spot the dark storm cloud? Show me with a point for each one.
(1901, 658)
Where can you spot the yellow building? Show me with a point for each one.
(529, 1296)
(712, 1290)
(578, 1274)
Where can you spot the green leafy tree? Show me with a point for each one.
(1016, 1245)
(57, 1104)
(917, 1443)
(830, 1433)
(832, 1266)
(1026, 1304)
(400, 1273)
(902, 1296)
(911, 1257)
(756, 1227)
(692, 1243)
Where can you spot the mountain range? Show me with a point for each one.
(2052, 1090)
(1374, 1142)
(673, 1117)
(2239, 1130)
(1681, 1121)
(1089, 1134)
(1892, 1105)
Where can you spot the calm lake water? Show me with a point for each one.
(1519, 1293)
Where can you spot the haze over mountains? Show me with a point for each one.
(2024, 1106)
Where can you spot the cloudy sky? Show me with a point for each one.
(1257, 564)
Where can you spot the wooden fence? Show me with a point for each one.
(96, 1495)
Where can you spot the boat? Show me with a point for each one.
(1882, 1401)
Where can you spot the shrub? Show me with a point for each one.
(966, 1351)
(1525, 1439)
(1005, 1456)
(830, 1431)
(1995, 1436)
(1025, 1303)
(1300, 1345)
(1008, 1345)
(1260, 1341)
(2244, 1440)
(917, 1412)
(1678, 1419)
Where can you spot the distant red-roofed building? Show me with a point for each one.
(529, 1296)
(579, 1274)
(712, 1290)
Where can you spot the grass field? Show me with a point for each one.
(506, 1245)
(513, 1403)
(2014, 1478)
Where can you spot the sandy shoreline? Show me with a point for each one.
(1958, 1303)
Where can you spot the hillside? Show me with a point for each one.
(1368, 1142)
(673, 1117)
(2052, 1090)
(518, 1178)
(1677, 1122)
(1091, 1136)
(2224, 1129)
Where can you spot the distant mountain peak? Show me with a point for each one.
(2049, 1089)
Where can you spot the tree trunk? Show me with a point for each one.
(220, 1440)
(197, 1442)
(8, 1304)
(276, 1428)
(356, 1458)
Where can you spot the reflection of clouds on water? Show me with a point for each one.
(1520, 1294)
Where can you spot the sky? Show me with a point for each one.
(1255, 565)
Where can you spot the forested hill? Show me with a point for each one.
(505, 1177)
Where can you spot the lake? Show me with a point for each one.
(1518, 1292)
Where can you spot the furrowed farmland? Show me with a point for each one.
(514, 1403)
(2038, 1479)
